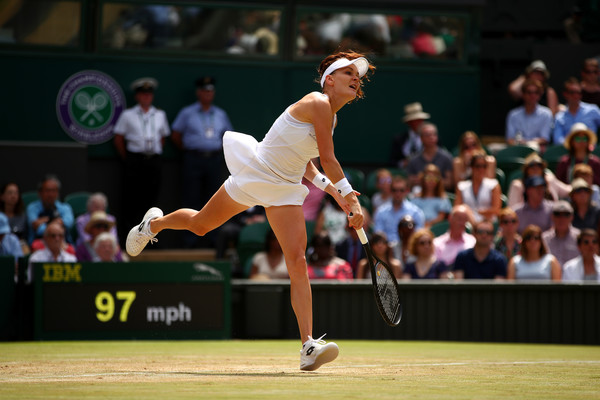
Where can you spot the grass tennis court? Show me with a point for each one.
(269, 370)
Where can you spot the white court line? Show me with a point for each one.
(328, 367)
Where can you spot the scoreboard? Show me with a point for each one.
(141, 300)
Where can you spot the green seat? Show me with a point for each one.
(510, 164)
(78, 202)
(518, 150)
(440, 228)
(451, 196)
(251, 241)
(356, 178)
(29, 196)
(501, 178)
(553, 154)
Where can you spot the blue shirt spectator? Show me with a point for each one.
(587, 113)
(388, 215)
(530, 126)
(491, 267)
(202, 129)
(47, 208)
(9, 242)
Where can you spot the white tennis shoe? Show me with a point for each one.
(317, 352)
(140, 235)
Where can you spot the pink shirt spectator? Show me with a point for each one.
(312, 202)
(337, 269)
(446, 249)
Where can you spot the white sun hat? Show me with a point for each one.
(361, 64)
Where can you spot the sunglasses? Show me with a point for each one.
(470, 146)
(431, 178)
(587, 241)
(101, 226)
(573, 91)
(424, 242)
(580, 139)
(401, 190)
(562, 214)
(484, 232)
(56, 235)
(480, 166)
(531, 92)
(535, 237)
(591, 71)
(508, 221)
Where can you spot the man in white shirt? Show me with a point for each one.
(587, 265)
(54, 251)
(140, 133)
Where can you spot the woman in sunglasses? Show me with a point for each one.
(426, 265)
(480, 193)
(468, 144)
(508, 240)
(534, 262)
(579, 142)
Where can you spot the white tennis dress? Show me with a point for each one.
(269, 173)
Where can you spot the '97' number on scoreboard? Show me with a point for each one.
(105, 303)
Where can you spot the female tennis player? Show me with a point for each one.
(269, 173)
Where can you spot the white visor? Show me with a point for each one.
(361, 64)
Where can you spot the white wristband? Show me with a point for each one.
(321, 181)
(343, 187)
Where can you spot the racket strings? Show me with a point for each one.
(386, 287)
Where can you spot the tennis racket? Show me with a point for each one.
(385, 286)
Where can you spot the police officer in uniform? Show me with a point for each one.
(198, 131)
(139, 138)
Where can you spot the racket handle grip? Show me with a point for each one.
(361, 233)
(362, 236)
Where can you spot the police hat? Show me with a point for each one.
(146, 84)
(205, 83)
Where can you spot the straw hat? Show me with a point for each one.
(414, 111)
(98, 217)
(580, 127)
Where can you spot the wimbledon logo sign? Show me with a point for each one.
(88, 106)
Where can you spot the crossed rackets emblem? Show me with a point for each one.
(91, 105)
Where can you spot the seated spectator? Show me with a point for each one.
(322, 262)
(40, 243)
(431, 154)
(577, 111)
(480, 194)
(537, 71)
(561, 239)
(228, 234)
(96, 202)
(456, 239)
(9, 243)
(535, 166)
(314, 198)
(351, 249)
(432, 198)
(48, 208)
(388, 216)
(426, 264)
(580, 142)
(590, 84)
(407, 145)
(586, 173)
(53, 251)
(381, 248)
(534, 262)
(482, 261)
(468, 144)
(508, 241)
(269, 263)
(97, 224)
(106, 248)
(333, 220)
(585, 213)
(384, 188)
(536, 210)
(586, 266)
(530, 123)
(406, 227)
(11, 204)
